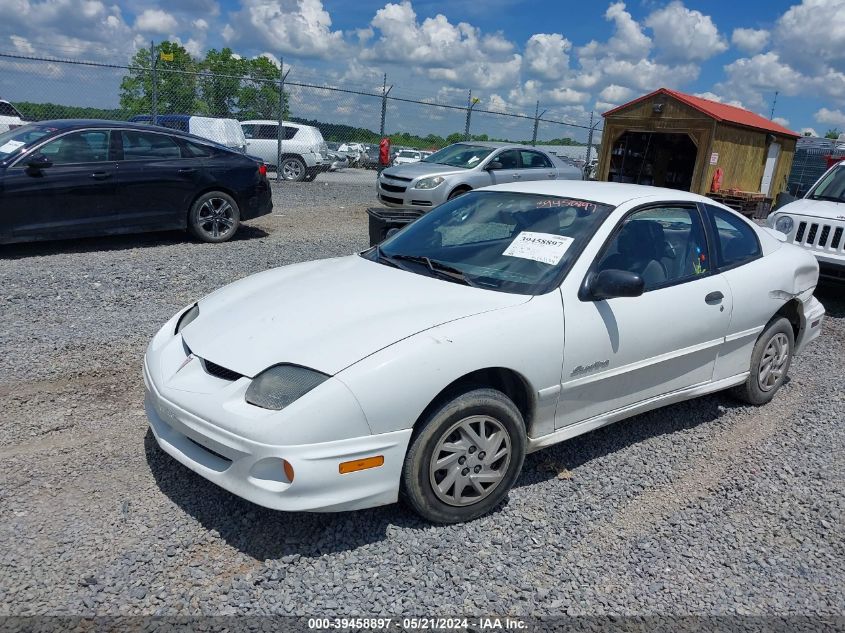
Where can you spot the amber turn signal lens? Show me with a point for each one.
(361, 464)
(288, 469)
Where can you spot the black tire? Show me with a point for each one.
(293, 169)
(419, 474)
(761, 386)
(214, 217)
(458, 192)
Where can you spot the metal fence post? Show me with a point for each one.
(384, 92)
(589, 144)
(537, 115)
(280, 127)
(469, 114)
(154, 79)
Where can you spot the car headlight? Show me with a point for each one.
(280, 385)
(784, 224)
(187, 317)
(429, 183)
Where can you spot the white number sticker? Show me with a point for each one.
(11, 146)
(541, 247)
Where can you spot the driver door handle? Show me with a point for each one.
(187, 170)
(714, 298)
(517, 176)
(100, 175)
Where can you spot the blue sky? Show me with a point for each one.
(574, 57)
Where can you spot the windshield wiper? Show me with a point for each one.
(441, 269)
(829, 198)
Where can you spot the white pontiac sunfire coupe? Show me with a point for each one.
(503, 321)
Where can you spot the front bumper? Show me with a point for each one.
(399, 194)
(253, 470)
(811, 326)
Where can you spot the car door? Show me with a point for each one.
(626, 350)
(536, 166)
(158, 181)
(509, 170)
(75, 195)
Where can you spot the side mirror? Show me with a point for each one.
(614, 283)
(493, 165)
(39, 161)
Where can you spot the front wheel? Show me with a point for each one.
(293, 169)
(458, 192)
(770, 362)
(465, 457)
(214, 217)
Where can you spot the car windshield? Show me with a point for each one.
(510, 242)
(14, 140)
(831, 187)
(407, 154)
(460, 155)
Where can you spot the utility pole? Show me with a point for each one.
(774, 102)
(470, 104)
(154, 78)
(537, 115)
(280, 127)
(589, 144)
(384, 92)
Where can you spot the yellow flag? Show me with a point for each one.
(166, 57)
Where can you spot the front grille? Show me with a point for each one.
(220, 372)
(823, 237)
(811, 238)
(393, 188)
(421, 203)
(800, 234)
(837, 237)
(390, 199)
(399, 178)
(205, 448)
(827, 236)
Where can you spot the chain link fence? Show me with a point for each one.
(164, 85)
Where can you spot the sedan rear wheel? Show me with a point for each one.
(214, 217)
(465, 457)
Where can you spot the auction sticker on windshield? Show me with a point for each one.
(541, 247)
(11, 146)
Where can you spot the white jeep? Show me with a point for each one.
(10, 118)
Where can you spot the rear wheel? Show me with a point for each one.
(770, 363)
(465, 457)
(293, 169)
(458, 192)
(214, 217)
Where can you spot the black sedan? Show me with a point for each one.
(74, 178)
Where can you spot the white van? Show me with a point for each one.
(223, 131)
(304, 152)
(10, 118)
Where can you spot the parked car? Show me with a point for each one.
(337, 159)
(304, 152)
(226, 132)
(504, 321)
(10, 118)
(356, 153)
(462, 167)
(816, 222)
(407, 156)
(74, 178)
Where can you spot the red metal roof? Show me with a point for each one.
(716, 110)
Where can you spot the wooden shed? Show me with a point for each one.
(671, 139)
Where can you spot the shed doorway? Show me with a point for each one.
(653, 158)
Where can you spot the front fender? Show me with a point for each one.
(396, 384)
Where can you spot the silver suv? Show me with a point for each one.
(462, 167)
(304, 152)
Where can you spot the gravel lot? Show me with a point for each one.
(706, 507)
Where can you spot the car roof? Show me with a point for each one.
(500, 144)
(275, 122)
(70, 124)
(612, 193)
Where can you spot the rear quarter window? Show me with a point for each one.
(736, 242)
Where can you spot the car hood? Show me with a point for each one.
(419, 168)
(815, 208)
(326, 314)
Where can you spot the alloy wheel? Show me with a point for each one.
(216, 217)
(292, 170)
(773, 362)
(470, 460)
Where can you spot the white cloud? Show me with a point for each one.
(750, 41)
(547, 55)
(22, 45)
(296, 27)
(616, 94)
(567, 96)
(156, 21)
(200, 24)
(832, 117)
(811, 34)
(685, 34)
(748, 78)
(714, 97)
(781, 121)
(808, 131)
(627, 42)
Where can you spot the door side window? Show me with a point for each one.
(534, 160)
(509, 159)
(148, 146)
(736, 241)
(91, 146)
(249, 130)
(663, 245)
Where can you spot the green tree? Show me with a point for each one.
(258, 98)
(177, 91)
(220, 82)
(832, 133)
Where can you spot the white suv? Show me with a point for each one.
(9, 117)
(304, 152)
(817, 221)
